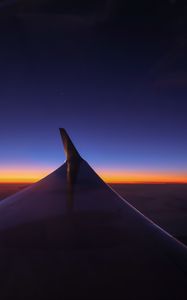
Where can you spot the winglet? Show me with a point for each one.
(69, 149)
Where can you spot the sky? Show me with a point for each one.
(113, 73)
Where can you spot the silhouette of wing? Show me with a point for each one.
(70, 236)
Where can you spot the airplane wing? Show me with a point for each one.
(70, 236)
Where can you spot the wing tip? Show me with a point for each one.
(69, 148)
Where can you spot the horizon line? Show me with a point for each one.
(107, 182)
(110, 176)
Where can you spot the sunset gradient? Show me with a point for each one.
(22, 174)
(142, 176)
(110, 175)
(118, 87)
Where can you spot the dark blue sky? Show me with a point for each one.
(114, 76)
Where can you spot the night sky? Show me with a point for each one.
(113, 73)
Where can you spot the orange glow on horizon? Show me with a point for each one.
(23, 174)
(139, 176)
(33, 174)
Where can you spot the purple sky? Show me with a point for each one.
(114, 75)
